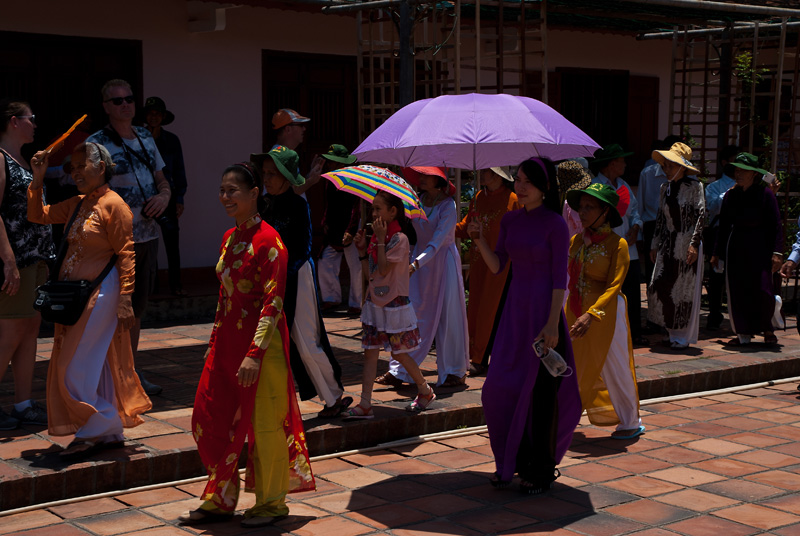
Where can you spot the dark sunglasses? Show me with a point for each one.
(117, 101)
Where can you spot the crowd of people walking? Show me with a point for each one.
(554, 286)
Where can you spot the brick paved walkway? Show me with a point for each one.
(718, 465)
(162, 449)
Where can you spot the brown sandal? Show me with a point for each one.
(454, 381)
(390, 379)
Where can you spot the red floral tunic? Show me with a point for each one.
(252, 273)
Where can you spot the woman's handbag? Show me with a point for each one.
(63, 302)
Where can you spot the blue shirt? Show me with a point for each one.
(714, 194)
(794, 256)
(650, 180)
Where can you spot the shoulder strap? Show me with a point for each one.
(62, 250)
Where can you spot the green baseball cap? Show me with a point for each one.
(286, 160)
(749, 162)
(604, 193)
(339, 153)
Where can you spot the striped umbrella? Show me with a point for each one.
(364, 181)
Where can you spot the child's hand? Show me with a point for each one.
(360, 240)
(379, 228)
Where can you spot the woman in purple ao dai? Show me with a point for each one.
(531, 415)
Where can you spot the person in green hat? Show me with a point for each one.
(609, 166)
(750, 242)
(596, 310)
(314, 366)
(340, 223)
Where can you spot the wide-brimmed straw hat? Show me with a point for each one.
(680, 153)
(749, 162)
(504, 171)
(605, 193)
(285, 160)
(572, 175)
(413, 173)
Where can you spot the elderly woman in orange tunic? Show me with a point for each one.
(92, 389)
(246, 390)
(488, 207)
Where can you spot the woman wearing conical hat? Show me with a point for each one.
(673, 295)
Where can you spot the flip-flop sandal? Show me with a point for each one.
(421, 403)
(358, 413)
(628, 434)
(203, 517)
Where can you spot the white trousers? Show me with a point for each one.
(88, 376)
(617, 374)
(330, 263)
(688, 335)
(307, 333)
(446, 323)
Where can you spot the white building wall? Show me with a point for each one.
(212, 80)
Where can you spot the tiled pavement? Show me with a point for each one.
(717, 465)
(162, 449)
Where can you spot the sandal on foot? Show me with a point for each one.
(735, 342)
(454, 381)
(358, 413)
(538, 486)
(329, 412)
(476, 369)
(421, 403)
(80, 449)
(261, 521)
(628, 434)
(390, 379)
(202, 517)
(770, 339)
(498, 483)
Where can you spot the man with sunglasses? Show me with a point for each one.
(139, 180)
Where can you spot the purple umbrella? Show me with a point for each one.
(474, 131)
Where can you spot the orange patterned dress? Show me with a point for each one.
(252, 273)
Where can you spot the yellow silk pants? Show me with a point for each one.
(270, 453)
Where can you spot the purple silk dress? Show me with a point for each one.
(530, 422)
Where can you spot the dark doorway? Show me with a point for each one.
(61, 77)
(323, 88)
(612, 107)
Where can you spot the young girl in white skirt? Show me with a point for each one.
(387, 317)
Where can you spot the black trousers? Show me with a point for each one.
(170, 232)
(648, 230)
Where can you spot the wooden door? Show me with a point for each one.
(61, 77)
